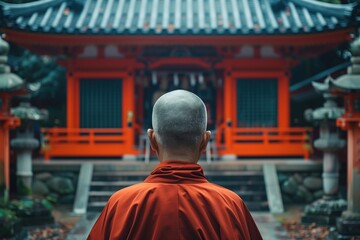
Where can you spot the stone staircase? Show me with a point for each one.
(105, 180)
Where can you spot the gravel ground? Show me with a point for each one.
(298, 231)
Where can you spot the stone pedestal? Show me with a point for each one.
(325, 211)
(24, 143)
(10, 85)
(348, 226)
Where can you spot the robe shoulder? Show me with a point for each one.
(175, 211)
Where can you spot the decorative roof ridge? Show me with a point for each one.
(338, 10)
(20, 9)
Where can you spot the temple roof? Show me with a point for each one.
(177, 17)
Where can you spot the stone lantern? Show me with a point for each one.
(10, 85)
(25, 143)
(325, 211)
(348, 86)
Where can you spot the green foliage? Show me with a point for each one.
(9, 223)
(31, 207)
(12, 214)
(47, 79)
(52, 198)
(43, 71)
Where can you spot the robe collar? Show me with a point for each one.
(179, 172)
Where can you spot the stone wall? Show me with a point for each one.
(57, 187)
(300, 187)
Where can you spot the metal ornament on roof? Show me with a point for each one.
(8, 80)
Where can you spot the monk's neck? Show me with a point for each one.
(186, 157)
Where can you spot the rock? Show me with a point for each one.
(43, 176)
(318, 194)
(67, 199)
(298, 178)
(282, 177)
(313, 183)
(315, 174)
(72, 176)
(60, 185)
(39, 188)
(290, 186)
(286, 198)
(304, 194)
(52, 197)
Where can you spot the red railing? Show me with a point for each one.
(83, 135)
(255, 142)
(76, 142)
(267, 142)
(270, 135)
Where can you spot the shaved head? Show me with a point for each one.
(179, 120)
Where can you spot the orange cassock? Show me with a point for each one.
(175, 202)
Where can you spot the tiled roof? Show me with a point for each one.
(178, 17)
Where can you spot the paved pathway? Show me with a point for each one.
(269, 228)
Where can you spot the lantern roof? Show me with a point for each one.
(350, 82)
(27, 112)
(8, 81)
(178, 17)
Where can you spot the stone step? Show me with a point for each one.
(221, 183)
(113, 183)
(252, 206)
(232, 185)
(207, 173)
(211, 176)
(248, 184)
(247, 196)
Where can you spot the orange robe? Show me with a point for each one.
(175, 202)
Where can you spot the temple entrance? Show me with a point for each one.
(156, 83)
(100, 103)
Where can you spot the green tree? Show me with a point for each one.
(46, 80)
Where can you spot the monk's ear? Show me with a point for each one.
(205, 140)
(153, 143)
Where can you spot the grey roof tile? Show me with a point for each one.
(177, 17)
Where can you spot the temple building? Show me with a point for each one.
(121, 55)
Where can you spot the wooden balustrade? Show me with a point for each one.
(92, 142)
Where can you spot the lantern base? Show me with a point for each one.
(324, 212)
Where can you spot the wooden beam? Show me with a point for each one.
(309, 39)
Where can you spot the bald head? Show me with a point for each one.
(179, 120)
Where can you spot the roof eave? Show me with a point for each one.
(18, 9)
(338, 10)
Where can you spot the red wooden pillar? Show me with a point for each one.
(351, 122)
(228, 110)
(6, 123)
(219, 104)
(283, 101)
(4, 154)
(71, 101)
(353, 149)
(128, 110)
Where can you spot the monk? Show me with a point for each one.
(176, 201)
